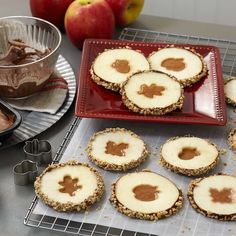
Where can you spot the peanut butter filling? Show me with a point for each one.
(188, 153)
(221, 196)
(146, 192)
(5, 121)
(69, 185)
(116, 149)
(151, 90)
(121, 66)
(174, 64)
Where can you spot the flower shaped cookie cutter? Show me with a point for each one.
(39, 151)
(25, 172)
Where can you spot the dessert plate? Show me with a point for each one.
(204, 102)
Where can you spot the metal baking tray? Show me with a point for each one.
(199, 224)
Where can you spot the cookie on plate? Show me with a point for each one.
(185, 64)
(116, 149)
(230, 88)
(146, 195)
(113, 66)
(214, 196)
(70, 186)
(152, 93)
(188, 155)
(232, 139)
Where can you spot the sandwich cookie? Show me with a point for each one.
(113, 66)
(70, 186)
(146, 195)
(116, 149)
(189, 155)
(214, 196)
(185, 64)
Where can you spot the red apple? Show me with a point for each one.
(89, 19)
(50, 10)
(126, 11)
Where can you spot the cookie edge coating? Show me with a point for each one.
(151, 111)
(227, 99)
(146, 216)
(184, 171)
(192, 185)
(188, 82)
(109, 85)
(70, 206)
(230, 139)
(116, 167)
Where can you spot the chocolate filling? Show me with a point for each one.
(150, 91)
(221, 196)
(20, 53)
(121, 66)
(116, 149)
(146, 192)
(6, 121)
(188, 153)
(174, 64)
(70, 185)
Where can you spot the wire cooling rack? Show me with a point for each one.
(228, 59)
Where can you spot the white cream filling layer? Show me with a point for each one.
(132, 152)
(170, 95)
(230, 90)
(87, 179)
(103, 64)
(171, 150)
(193, 64)
(167, 196)
(203, 198)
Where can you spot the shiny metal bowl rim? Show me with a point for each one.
(40, 20)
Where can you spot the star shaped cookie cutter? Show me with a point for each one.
(39, 151)
(25, 172)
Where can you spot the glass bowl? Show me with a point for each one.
(22, 80)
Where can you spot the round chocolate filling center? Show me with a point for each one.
(146, 192)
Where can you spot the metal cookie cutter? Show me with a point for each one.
(25, 172)
(39, 151)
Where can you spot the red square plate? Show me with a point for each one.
(203, 103)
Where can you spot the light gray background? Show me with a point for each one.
(15, 200)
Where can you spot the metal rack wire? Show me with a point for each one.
(228, 57)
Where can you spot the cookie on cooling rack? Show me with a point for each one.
(230, 91)
(214, 196)
(185, 64)
(116, 149)
(113, 66)
(188, 155)
(152, 93)
(70, 186)
(146, 195)
(232, 139)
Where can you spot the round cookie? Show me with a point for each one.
(190, 156)
(232, 139)
(70, 186)
(229, 89)
(152, 93)
(113, 66)
(146, 195)
(183, 63)
(116, 149)
(214, 196)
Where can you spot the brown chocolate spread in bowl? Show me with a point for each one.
(20, 53)
(5, 120)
